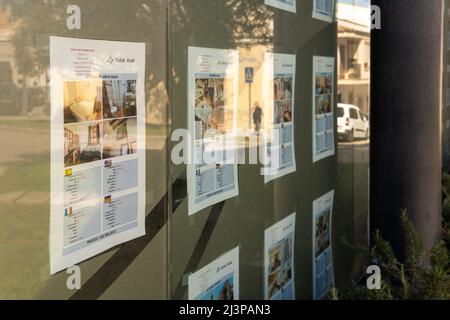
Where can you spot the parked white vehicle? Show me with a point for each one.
(352, 123)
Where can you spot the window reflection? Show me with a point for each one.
(353, 112)
(247, 26)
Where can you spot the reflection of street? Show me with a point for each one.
(23, 144)
(352, 192)
(354, 152)
(26, 146)
(353, 188)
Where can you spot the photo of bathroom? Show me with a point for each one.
(119, 99)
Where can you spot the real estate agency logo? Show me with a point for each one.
(112, 60)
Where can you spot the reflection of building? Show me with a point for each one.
(354, 55)
(31, 89)
(8, 69)
(251, 94)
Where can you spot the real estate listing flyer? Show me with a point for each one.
(212, 113)
(323, 105)
(279, 260)
(279, 98)
(324, 10)
(323, 275)
(288, 5)
(219, 280)
(97, 147)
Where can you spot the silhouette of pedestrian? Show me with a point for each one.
(257, 116)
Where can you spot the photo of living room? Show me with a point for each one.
(119, 137)
(82, 143)
(82, 101)
(119, 99)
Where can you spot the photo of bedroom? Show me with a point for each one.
(119, 99)
(82, 143)
(82, 101)
(119, 137)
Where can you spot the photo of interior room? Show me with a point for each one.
(210, 105)
(82, 101)
(280, 266)
(82, 143)
(119, 99)
(274, 268)
(282, 88)
(119, 137)
(323, 233)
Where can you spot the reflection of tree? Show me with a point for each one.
(39, 19)
(253, 25)
(133, 20)
(233, 22)
(226, 24)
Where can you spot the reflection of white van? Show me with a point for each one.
(352, 123)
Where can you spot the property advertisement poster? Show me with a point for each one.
(323, 105)
(279, 260)
(324, 10)
(279, 97)
(219, 280)
(97, 147)
(213, 98)
(288, 5)
(323, 275)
